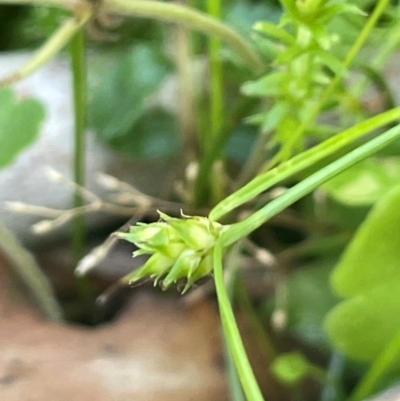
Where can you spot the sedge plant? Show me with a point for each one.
(293, 68)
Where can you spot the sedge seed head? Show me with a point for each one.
(179, 248)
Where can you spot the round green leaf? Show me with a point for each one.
(291, 368)
(373, 256)
(369, 274)
(120, 91)
(363, 325)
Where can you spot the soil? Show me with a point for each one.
(156, 349)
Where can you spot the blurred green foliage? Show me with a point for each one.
(368, 276)
(120, 113)
(20, 122)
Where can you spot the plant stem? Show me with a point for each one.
(187, 119)
(378, 370)
(56, 42)
(192, 19)
(78, 58)
(31, 275)
(216, 82)
(52, 3)
(231, 331)
(245, 227)
(215, 116)
(216, 149)
(232, 259)
(80, 110)
(365, 33)
(235, 387)
(167, 12)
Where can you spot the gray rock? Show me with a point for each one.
(25, 180)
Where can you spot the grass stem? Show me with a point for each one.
(309, 184)
(232, 334)
(78, 61)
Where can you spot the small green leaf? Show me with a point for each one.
(332, 62)
(268, 47)
(289, 55)
(275, 115)
(19, 124)
(274, 31)
(270, 85)
(335, 9)
(322, 36)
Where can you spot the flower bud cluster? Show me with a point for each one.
(179, 248)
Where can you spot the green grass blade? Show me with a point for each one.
(245, 227)
(300, 162)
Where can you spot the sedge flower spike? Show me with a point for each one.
(179, 248)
